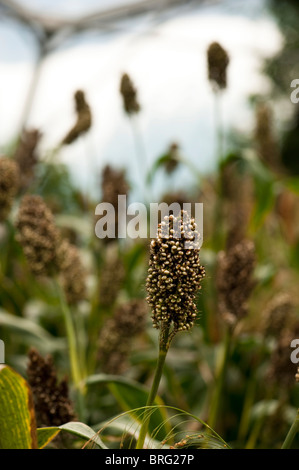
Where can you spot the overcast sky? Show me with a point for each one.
(166, 58)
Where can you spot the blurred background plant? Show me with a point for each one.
(73, 314)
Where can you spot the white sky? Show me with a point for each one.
(167, 62)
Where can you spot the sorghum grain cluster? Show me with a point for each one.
(235, 280)
(52, 404)
(84, 119)
(174, 274)
(117, 334)
(218, 61)
(129, 94)
(38, 235)
(9, 183)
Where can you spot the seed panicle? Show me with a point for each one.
(129, 94)
(9, 184)
(38, 235)
(218, 61)
(174, 275)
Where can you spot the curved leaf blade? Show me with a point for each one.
(131, 395)
(45, 435)
(17, 418)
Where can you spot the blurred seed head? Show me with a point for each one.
(116, 336)
(235, 280)
(73, 274)
(174, 275)
(238, 218)
(52, 404)
(114, 184)
(218, 61)
(267, 144)
(279, 315)
(297, 375)
(84, 119)
(9, 184)
(38, 235)
(173, 158)
(281, 369)
(111, 279)
(129, 95)
(287, 209)
(26, 156)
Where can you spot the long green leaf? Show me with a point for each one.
(29, 329)
(17, 418)
(45, 435)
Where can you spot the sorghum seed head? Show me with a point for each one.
(172, 158)
(116, 335)
(267, 145)
(9, 183)
(281, 369)
(279, 314)
(52, 404)
(234, 280)
(111, 279)
(174, 274)
(84, 119)
(114, 184)
(129, 94)
(26, 157)
(73, 274)
(218, 61)
(38, 235)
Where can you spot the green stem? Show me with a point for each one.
(216, 402)
(73, 349)
(164, 345)
(292, 433)
(219, 127)
(248, 403)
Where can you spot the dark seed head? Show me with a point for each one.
(174, 274)
(218, 61)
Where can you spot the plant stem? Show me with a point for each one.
(216, 402)
(219, 127)
(248, 403)
(73, 349)
(292, 433)
(164, 345)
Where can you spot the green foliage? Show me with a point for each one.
(17, 418)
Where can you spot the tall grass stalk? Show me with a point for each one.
(218, 126)
(163, 349)
(292, 433)
(73, 350)
(220, 380)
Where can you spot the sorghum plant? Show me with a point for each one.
(84, 119)
(53, 406)
(174, 279)
(9, 183)
(38, 236)
(115, 339)
(234, 286)
(129, 95)
(26, 156)
(218, 61)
